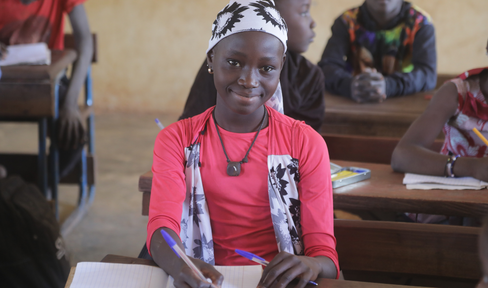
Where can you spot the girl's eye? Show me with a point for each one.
(233, 63)
(304, 14)
(267, 68)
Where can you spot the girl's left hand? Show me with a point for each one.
(285, 267)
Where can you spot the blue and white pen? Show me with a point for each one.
(159, 124)
(183, 256)
(260, 260)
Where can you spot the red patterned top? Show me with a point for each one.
(472, 112)
(39, 21)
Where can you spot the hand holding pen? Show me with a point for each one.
(286, 267)
(194, 269)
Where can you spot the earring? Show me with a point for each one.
(210, 70)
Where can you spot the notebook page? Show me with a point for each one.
(429, 186)
(33, 54)
(411, 178)
(108, 275)
(240, 276)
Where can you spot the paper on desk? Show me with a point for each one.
(27, 54)
(427, 182)
(108, 275)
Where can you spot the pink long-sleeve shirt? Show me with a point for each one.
(239, 206)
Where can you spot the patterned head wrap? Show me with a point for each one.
(471, 72)
(248, 15)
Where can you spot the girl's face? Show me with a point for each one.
(247, 70)
(300, 23)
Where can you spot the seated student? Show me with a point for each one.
(483, 253)
(302, 83)
(380, 49)
(33, 21)
(459, 106)
(277, 201)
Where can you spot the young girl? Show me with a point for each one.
(300, 93)
(459, 106)
(241, 175)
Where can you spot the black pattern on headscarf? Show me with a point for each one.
(221, 29)
(261, 6)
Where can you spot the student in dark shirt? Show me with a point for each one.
(380, 49)
(302, 83)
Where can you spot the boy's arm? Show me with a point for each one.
(424, 75)
(333, 64)
(70, 128)
(3, 51)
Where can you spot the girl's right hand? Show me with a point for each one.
(186, 278)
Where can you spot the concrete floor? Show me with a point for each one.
(114, 224)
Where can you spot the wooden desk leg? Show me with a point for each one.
(42, 157)
(54, 153)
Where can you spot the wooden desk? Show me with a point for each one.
(385, 192)
(391, 118)
(322, 282)
(30, 93)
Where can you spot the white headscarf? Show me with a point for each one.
(248, 15)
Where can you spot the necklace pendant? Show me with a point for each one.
(233, 168)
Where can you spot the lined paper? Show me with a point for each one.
(426, 182)
(240, 276)
(108, 275)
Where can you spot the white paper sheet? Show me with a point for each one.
(427, 182)
(240, 276)
(27, 54)
(108, 275)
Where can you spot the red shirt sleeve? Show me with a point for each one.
(70, 4)
(317, 209)
(168, 189)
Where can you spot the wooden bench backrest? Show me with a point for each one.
(408, 248)
(364, 148)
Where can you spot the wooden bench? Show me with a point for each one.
(410, 249)
(367, 149)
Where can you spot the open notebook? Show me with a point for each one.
(108, 275)
(427, 182)
(27, 54)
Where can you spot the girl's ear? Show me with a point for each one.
(210, 58)
(283, 61)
